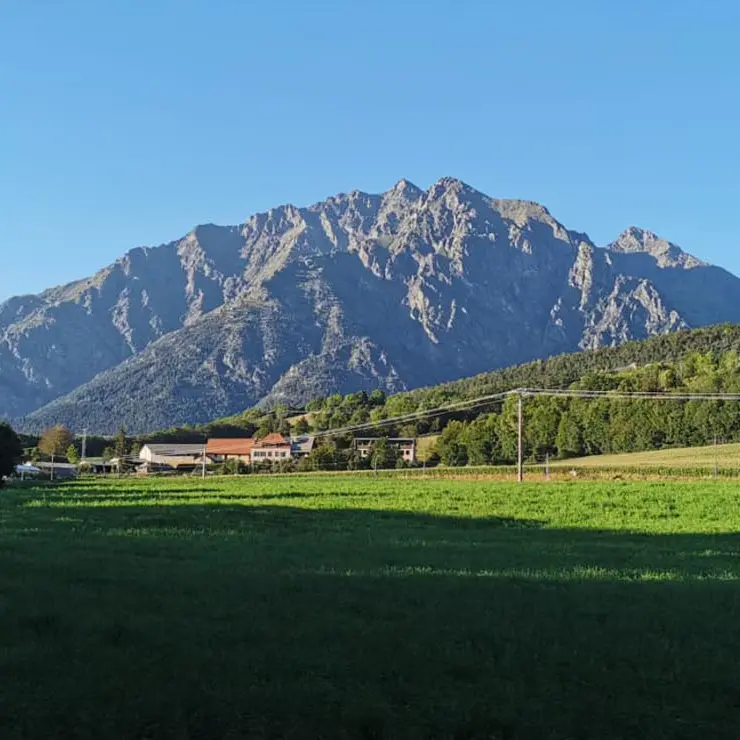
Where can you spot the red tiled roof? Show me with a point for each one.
(230, 446)
(272, 440)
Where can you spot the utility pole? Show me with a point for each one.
(520, 445)
(51, 477)
(204, 462)
(547, 466)
(84, 444)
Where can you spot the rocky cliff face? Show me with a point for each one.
(396, 290)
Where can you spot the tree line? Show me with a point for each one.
(702, 360)
(574, 427)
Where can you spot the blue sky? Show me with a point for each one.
(128, 122)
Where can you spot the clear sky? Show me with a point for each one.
(128, 122)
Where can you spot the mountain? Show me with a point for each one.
(399, 290)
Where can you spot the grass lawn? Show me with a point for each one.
(725, 455)
(361, 607)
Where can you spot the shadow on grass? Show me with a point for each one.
(268, 621)
(124, 496)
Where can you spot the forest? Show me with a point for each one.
(699, 361)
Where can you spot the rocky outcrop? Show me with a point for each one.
(396, 290)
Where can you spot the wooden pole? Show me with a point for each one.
(520, 449)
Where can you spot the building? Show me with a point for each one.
(98, 466)
(221, 450)
(57, 470)
(272, 448)
(406, 446)
(301, 446)
(172, 455)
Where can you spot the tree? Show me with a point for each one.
(383, 454)
(315, 404)
(72, 455)
(360, 416)
(120, 443)
(55, 441)
(108, 454)
(543, 420)
(481, 441)
(377, 398)
(266, 426)
(338, 420)
(10, 450)
(325, 456)
(301, 426)
(333, 402)
(569, 440)
(451, 444)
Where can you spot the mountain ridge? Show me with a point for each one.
(391, 290)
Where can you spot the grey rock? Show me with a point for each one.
(397, 290)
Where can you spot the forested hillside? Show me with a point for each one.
(704, 360)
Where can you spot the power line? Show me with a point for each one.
(635, 395)
(470, 404)
(416, 415)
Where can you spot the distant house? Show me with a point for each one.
(97, 465)
(172, 455)
(272, 448)
(406, 446)
(60, 470)
(301, 446)
(221, 450)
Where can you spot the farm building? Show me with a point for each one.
(272, 448)
(301, 446)
(58, 470)
(173, 455)
(406, 446)
(221, 450)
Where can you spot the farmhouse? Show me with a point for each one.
(301, 446)
(406, 446)
(221, 450)
(173, 455)
(98, 465)
(272, 448)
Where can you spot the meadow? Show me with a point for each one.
(725, 456)
(369, 607)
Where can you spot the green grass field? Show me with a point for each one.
(725, 455)
(361, 607)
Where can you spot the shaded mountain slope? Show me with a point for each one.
(398, 290)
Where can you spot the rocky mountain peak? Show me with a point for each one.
(634, 240)
(404, 191)
(395, 290)
(449, 186)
